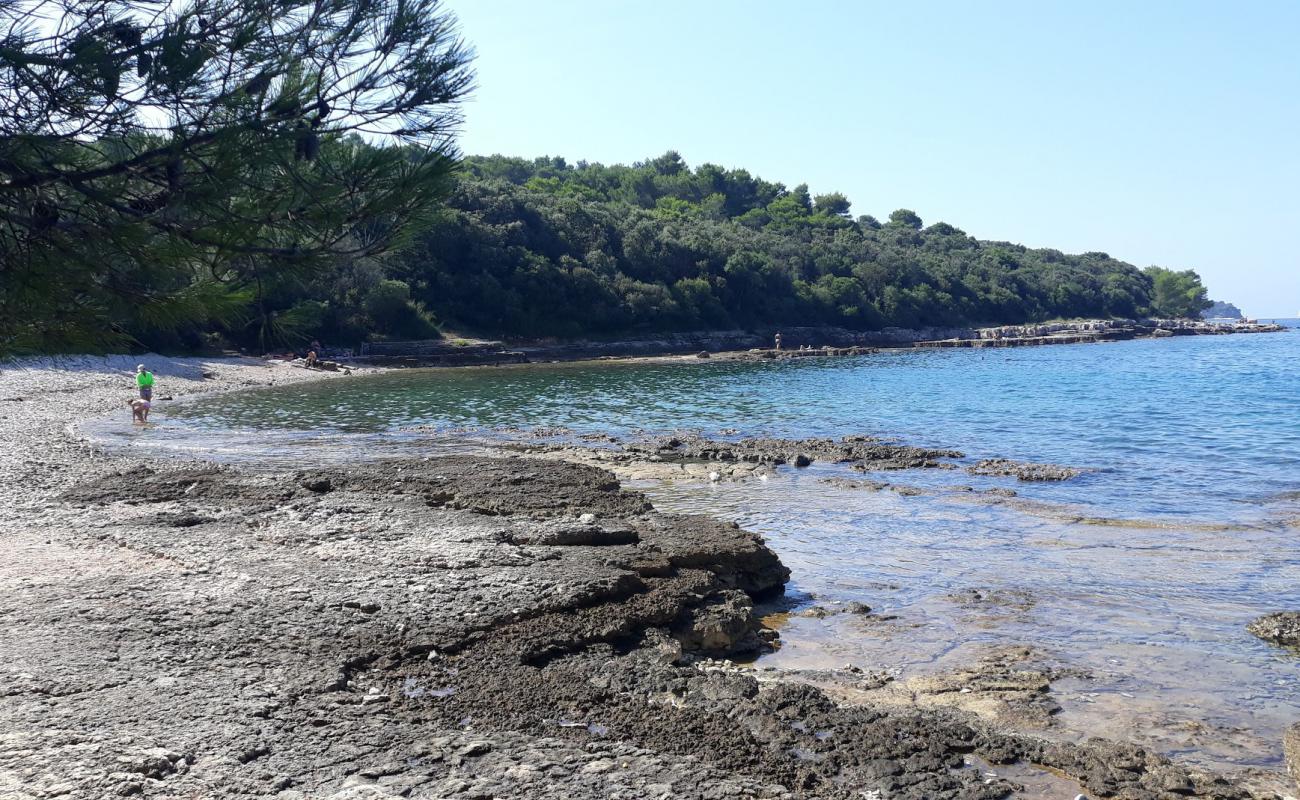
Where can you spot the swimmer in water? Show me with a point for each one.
(139, 410)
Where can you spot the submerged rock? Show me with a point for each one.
(993, 599)
(1004, 686)
(1025, 471)
(869, 453)
(1281, 627)
(822, 612)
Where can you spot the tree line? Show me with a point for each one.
(545, 248)
(260, 173)
(534, 248)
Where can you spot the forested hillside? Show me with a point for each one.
(541, 247)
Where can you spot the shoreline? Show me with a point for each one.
(797, 342)
(326, 632)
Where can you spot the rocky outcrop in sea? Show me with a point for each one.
(1281, 627)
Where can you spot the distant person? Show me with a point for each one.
(778, 340)
(144, 382)
(139, 410)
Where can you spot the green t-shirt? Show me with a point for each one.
(143, 379)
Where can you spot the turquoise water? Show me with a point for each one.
(1139, 575)
(1193, 426)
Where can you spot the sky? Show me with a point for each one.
(1159, 132)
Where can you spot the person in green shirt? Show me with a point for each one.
(144, 382)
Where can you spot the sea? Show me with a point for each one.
(1134, 581)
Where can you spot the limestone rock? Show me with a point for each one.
(1281, 627)
(722, 625)
(1023, 470)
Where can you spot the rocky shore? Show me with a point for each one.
(446, 627)
(797, 342)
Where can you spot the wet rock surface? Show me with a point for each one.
(1000, 686)
(692, 456)
(862, 451)
(823, 611)
(1281, 627)
(993, 599)
(1023, 470)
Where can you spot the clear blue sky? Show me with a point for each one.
(1160, 132)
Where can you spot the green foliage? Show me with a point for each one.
(1177, 294)
(544, 248)
(387, 300)
(168, 169)
(832, 204)
(905, 218)
(392, 312)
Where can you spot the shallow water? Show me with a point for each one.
(1189, 506)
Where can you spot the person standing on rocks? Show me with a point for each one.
(778, 340)
(144, 382)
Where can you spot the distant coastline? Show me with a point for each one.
(796, 342)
